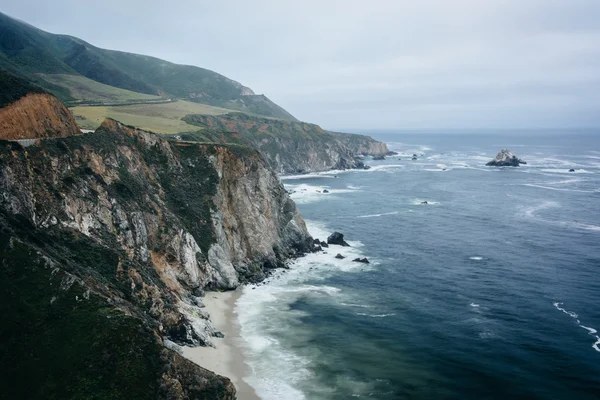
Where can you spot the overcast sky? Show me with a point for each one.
(370, 63)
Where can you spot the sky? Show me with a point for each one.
(370, 64)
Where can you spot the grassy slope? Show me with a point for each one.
(159, 118)
(28, 51)
(87, 90)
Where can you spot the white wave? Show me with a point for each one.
(306, 176)
(305, 193)
(580, 225)
(376, 315)
(476, 258)
(356, 305)
(530, 211)
(565, 171)
(377, 215)
(558, 189)
(591, 331)
(266, 318)
(474, 305)
(564, 181)
(352, 187)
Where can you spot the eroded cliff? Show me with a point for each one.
(36, 115)
(288, 146)
(111, 237)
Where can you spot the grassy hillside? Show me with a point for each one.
(159, 118)
(89, 91)
(28, 51)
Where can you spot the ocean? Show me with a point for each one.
(491, 290)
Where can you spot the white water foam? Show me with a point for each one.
(474, 305)
(591, 331)
(377, 215)
(532, 210)
(304, 193)
(558, 189)
(264, 313)
(376, 315)
(476, 258)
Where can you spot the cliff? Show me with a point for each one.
(288, 146)
(36, 116)
(28, 112)
(362, 144)
(109, 240)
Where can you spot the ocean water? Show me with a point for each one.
(489, 291)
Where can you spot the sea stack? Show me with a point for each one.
(505, 159)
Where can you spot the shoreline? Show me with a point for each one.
(226, 358)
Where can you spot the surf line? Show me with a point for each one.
(591, 331)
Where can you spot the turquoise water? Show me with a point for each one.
(491, 290)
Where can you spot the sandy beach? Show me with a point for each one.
(226, 357)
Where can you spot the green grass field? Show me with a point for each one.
(159, 118)
(88, 90)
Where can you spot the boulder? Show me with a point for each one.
(414, 158)
(339, 256)
(323, 244)
(505, 159)
(571, 170)
(361, 260)
(337, 238)
(424, 202)
(325, 191)
(316, 241)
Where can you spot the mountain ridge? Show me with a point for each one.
(27, 51)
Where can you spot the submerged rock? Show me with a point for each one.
(339, 256)
(505, 159)
(361, 260)
(424, 202)
(379, 158)
(325, 191)
(337, 238)
(571, 170)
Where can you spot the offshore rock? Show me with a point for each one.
(505, 159)
(338, 239)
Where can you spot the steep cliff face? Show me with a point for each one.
(288, 146)
(361, 144)
(127, 226)
(36, 116)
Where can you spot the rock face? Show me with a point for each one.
(36, 115)
(289, 147)
(362, 144)
(505, 159)
(124, 225)
(338, 239)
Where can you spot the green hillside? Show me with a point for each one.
(30, 52)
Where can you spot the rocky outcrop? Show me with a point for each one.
(505, 159)
(362, 144)
(289, 147)
(338, 239)
(36, 115)
(142, 226)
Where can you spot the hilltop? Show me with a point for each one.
(75, 71)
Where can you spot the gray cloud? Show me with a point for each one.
(375, 64)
